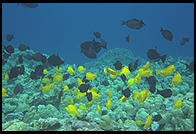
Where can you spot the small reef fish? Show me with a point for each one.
(151, 80)
(127, 38)
(134, 24)
(118, 65)
(134, 66)
(91, 48)
(166, 93)
(183, 41)
(190, 66)
(97, 34)
(126, 93)
(9, 37)
(167, 34)
(155, 56)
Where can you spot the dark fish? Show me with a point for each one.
(65, 77)
(155, 56)
(28, 57)
(37, 73)
(90, 54)
(105, 83)
(39, 70)
(133, 67)
(190, 66)
(23, 47)
(39, 57)
(5, 55)
(84, 88)
(134, 24)
(91, 48)
(152, 89)
(9, 37)
(104, 112)
(123, 77)
(85, 80)
(33, 75)
(30, 5)
(15, 71)
(157, 117)
(97, 34)
(126, 93)
(167, 34)
(151, 81)
(9, 49)
(71, 85)
(165, 93)
(118, 65)
(184, 41)
(89, 96)
(127, 38)
(55, 60)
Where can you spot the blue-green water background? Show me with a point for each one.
(61, 28)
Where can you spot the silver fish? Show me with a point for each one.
(167, 34)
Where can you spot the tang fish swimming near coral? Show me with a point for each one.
(127, 38)
(183, 41)
(166, 93)
(91, 48)
(97, 34)
(117, 65)
(190, 66)
(167, 34)
(9, 37)
(155, 56)
(134, 24)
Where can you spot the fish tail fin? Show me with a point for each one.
(104, 46)
(163, 58)
(104, 43)
(124, 22)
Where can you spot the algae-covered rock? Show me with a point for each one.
(129, 123)
(141, 115)
(188, 125)
(106, 123)
(77, 124)
(48, 111)
(22, 107)
(46, 124)
(8, 108)
(31, 115)
(17, 126)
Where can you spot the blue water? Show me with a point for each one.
(61, 28)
